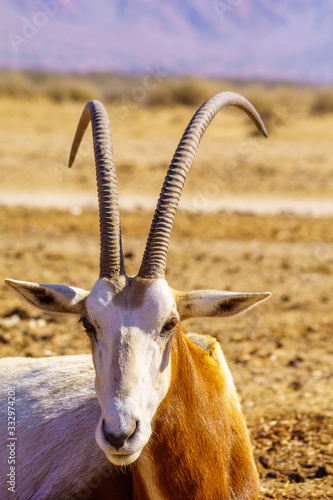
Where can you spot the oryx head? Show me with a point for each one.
(131, 321)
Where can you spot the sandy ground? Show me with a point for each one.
(280, 353)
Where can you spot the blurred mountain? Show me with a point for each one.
(275, 40)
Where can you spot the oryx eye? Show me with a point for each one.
(89, 328)
(170, 325)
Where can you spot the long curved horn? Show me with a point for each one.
(155, 254)
(111, 255)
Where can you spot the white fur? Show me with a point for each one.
(131, 351)
(56, 413)
(57, 410)
(56, 407)
(132, 362)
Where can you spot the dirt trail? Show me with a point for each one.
(251, 205)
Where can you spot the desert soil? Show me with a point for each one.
(280, 353)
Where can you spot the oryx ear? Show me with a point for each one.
(204, 303)
(50, 298)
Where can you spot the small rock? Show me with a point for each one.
(296, 477)
(47, 337)
(295, 385)
(10, 321)
(307, 466)
(4, 338)
(75, 210)
(296, 433)
(37, 323)
(271, 475)
(321, 472)
(285, 298)
(17, 311)
(295, 362)
(264, 462)
(48, 352)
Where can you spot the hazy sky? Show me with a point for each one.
(285, 39)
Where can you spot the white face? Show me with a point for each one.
(131, 323)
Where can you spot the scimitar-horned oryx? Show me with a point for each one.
(168, 403)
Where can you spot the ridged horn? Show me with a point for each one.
(154, 258)
(111, 255)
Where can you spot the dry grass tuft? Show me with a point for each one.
(153, 89)
(186, 91)
(323, 102)
(15, 84)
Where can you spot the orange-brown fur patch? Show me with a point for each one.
(117, 487)
(200, 447)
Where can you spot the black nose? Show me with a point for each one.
(118, 440)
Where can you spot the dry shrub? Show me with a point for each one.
(69, 89)
(296, 98)
(268, 98)
(15, 84)
(53, 86)
(186, 91)
(167, 91)
(323, 101)
(121, 88)
(262, 99)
